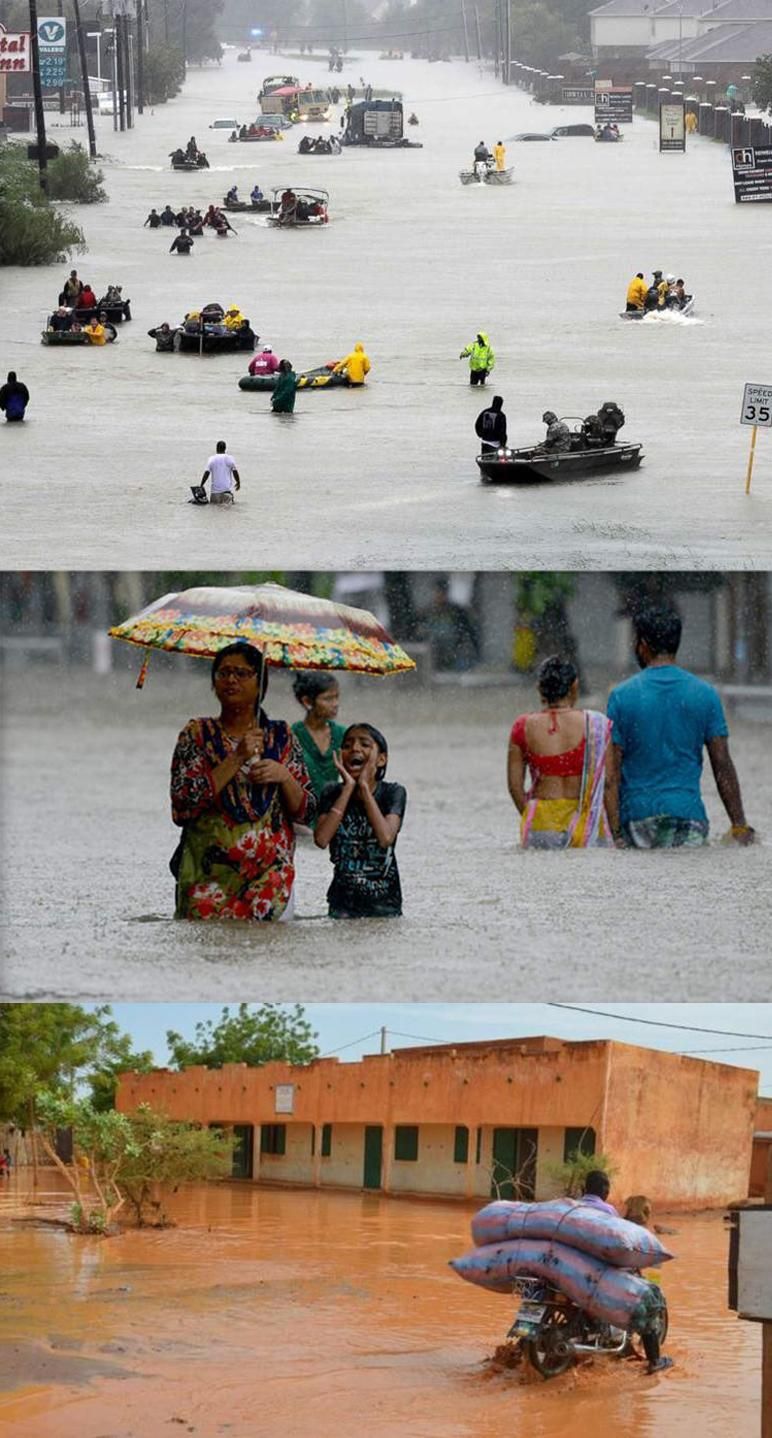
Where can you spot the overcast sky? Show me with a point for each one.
(742, 1033)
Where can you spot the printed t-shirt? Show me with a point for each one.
(366, 878)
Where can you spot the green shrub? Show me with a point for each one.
(73, 176)
(164, 73)
(570, 1176)
(32, 231)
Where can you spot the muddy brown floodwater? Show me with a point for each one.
(269, 1312)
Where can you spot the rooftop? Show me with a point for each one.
(736, 44)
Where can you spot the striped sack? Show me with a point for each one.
(612, 1240)
(610, 1295)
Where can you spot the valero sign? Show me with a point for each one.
(14, 51)
(52, 45)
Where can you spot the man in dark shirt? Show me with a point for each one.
(14, 397)
(491, 426)
(183, 244)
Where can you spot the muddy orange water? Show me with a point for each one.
(298, 1313)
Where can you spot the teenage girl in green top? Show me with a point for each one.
(317, 733)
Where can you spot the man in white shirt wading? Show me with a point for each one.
(222, 471)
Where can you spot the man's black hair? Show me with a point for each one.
(597, 1183)
(658, 626)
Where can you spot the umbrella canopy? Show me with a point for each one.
(292, 630)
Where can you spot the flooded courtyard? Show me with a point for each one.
(89, 900)
(412, 264)
(267, 1312)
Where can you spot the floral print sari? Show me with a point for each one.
(236, 858)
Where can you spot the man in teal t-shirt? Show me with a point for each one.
(663, 718)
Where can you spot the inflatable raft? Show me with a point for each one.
(321, 378)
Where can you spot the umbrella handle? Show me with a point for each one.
(142, 676)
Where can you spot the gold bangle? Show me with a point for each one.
(338, 811)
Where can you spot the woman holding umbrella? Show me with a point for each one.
(238, 786)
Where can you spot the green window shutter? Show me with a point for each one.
(273, 1138)
(326, 1140)
(313, 1139)
(478, 1146)
(406, 1142)
(281, 1138)
(461, 1145)
(578, 1140)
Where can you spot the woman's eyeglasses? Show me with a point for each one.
(242, 675)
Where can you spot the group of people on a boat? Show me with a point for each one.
(597, 431)
(607, 131)
(191, 155)
(256, 132)
(319, 146)
(298, 209)
(77, 294)
(485, 159)
(255, 195)
(664, 293)
(212, 321)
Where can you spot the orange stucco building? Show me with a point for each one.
(461, 1120)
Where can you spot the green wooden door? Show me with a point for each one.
(243, 1141)
(514, 1163)
(373, 1156)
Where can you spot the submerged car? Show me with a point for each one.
(532, 135)
(224, 125)
(558, 132)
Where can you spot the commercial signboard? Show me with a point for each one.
(672, 125)
(752, 173)
(52, 45)
(613, 104)
(577, 95)
(15, 51)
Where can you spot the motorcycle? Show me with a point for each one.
(552, 1332)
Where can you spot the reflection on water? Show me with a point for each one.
(290, 1313)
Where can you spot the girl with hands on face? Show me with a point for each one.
(359, 818)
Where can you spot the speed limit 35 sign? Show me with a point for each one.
(757, 406)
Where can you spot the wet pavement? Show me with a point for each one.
(269, 1312)
(88, 897)
(413, 264)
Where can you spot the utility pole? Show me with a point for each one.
(40, 119)
(383, 1041)
(184, 37)
(477, 31)
(60, 12)
(141, 18)
(81, 39)
(508, 45)
(466, 32)
(129, 58)
(120, 67)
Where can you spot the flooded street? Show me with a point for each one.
(272, 1312)
(88, 897)
(413, 265)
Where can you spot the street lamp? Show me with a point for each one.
(97, 35)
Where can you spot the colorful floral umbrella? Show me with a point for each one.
(292, 630)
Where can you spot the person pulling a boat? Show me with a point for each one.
(558, 436)
(491, 426)
(356, 366)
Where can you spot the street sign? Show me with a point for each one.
(52, 45)
(757, 405)
(752, 173)
(613, 104)
(672, 125)
(14, 51)
(577, 95)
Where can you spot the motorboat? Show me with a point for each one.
(483, 174)
(310, 208)
(525, 466)
(659, 312)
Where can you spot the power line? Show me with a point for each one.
(659, 1023)
(329, 1052)
(753, 1049)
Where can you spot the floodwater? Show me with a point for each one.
(413, 265)
(269, 1312)
(88, 897)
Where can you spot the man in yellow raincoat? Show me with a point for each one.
(500, 155)
(233, 319)
(637, 291)
(355, 366)
(481, 358)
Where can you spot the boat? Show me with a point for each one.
(245, 56)
(486, 176)
(311, 208)
(208, 334)
(686, 309)
(240, 207)
(66, 338)
(260, 134)
(321, 378)
(525, 466)
(200, 164)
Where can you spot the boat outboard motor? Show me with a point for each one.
(612, 419)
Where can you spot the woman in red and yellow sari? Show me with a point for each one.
(556, 766)
(239, 784)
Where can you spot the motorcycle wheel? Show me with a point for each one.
(551, 1353)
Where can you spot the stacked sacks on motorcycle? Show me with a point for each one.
(576, 1224)
(608, 1294)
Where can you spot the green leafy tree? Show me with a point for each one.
(164, 72)
(250, 1036)
(58, 1047)
(122, 1158)
(32, 231)
(74, 176)
(570, 1176)
(761, 83)
(201, 41)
